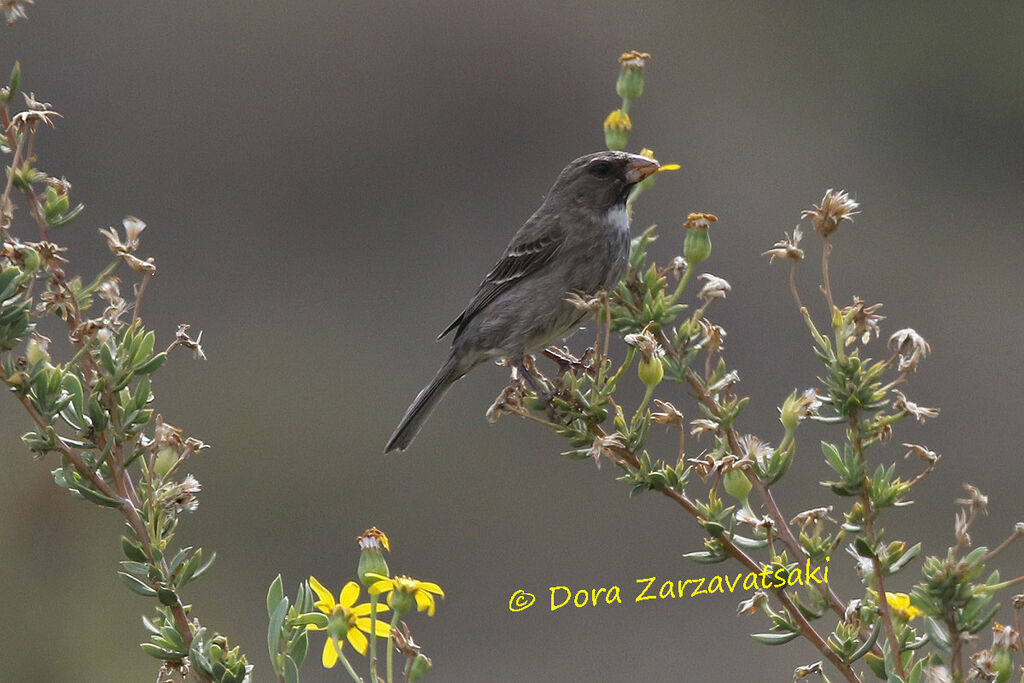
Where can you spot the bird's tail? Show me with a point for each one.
(424, 404)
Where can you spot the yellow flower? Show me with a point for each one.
(900, 604)
(402, 589)
(346, 620)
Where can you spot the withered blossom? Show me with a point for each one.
(669, 414)
(806, 670)
(835, 208)
(603, 446)
(181, 338)
(865, 320)
(37, 112)
(703, 425)
(678, 267)
(645, 343)
(751, 604)
(929, 456)
(714, 336)
(808, 517)
(701, 221)
(714, 287)
(15, 9)
(508, 402)
(920, 413)
(788, 248)
(755, 449)
(910, 346)
(589, 304)
(728, 379)
(975, 500)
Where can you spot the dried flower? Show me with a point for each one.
(509, 402)
(15, 9)
(929, 456)
(751, 604)
(38, 112)
(788, 248)
(798, 407)
(975, 500)
(714, 287)
(921, 413)
(865, 320)
(669, 414)
(835, 208)
(697, 245)
(630, 84)
(603, 446)
(808, 517)
(911, 347)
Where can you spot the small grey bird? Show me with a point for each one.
(577, 241)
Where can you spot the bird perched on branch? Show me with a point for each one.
(576, 242)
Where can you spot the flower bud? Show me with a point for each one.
(737, 484)
(651, 371)
(419, 667)
(616, 129)
(371, 560)
(630, 84)
(697, 245)
(37, 352)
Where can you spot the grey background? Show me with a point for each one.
(326, 182)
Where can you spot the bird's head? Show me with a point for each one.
(602, 180)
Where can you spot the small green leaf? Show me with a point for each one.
(275, 594)
(774, 638)
(137, 586)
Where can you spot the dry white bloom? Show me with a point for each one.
(703, 426)
(807, 517)
(865, 320)
(929, 456)
(755, 449)
(714, 287)
(645, 343)
(509, 402)
(587, 304)
(808, 670)
(835, 208)
(602, 447)
(788, 248)
(921, 413)
(728, 379)
(15, 9)
(910, 346)
(678, 266)
(751, 604)
(182, 339)
(976, 500)
(669, 414)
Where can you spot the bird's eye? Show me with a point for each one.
(601, 168)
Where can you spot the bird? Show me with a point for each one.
(577, 241)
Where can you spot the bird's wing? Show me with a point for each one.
(527, 254)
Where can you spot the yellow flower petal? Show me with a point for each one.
(383, 627)
(425, 601)
(322, 593)
(364, 610)
(358, 640)
(330, 656)
(669, 167)
(381, 586)
(432, 587)
(349, 594)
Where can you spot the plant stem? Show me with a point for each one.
(391, 648)
(373, 636)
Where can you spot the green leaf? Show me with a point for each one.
(774, 638)
(274, 628)
(299, 648)
(137, 586)
(151, 365)
(291, 670)
(132, 550)
(275, 594)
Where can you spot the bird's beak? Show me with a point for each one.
(639, 168)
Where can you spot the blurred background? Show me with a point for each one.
(325, 183)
